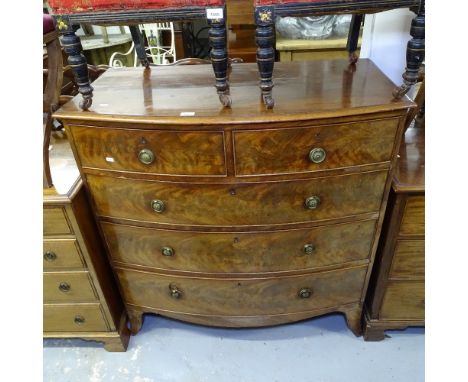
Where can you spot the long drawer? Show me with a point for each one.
(313, 148)
(73, 318)
(238, 204)
(151, 151)
(239, 252)
(61, 253)
(403, 300)
(68, 287)
(240, 296)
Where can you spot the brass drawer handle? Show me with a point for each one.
(305, 293)
(308, 249)
(146, 156)
(79, 320)
(167, 251)
(317, 155)
(64, 287)
(312, 202)
(175, 292)
(50, 256)
(158, 205)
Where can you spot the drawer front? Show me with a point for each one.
(177, 153)
(55, 221)
(68, 287)
(61, 253)
(403, 300)
(237, 204)
(238, 297)
(73, 318)
(289, 150)
(239, 252)
(413, 216)
(408, 260)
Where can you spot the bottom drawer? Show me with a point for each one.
(73, 318)
(403, 300)
(242, 296)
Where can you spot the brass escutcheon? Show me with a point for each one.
(50, 256)
(308, 249)
(167, 251)
(305, 293)
(312, 202)
(157, 205)
(146, 156)
(317, 155)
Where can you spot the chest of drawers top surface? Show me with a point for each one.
(183, 95)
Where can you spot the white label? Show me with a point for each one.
(214, 13)
(187, 113)
(110, 159)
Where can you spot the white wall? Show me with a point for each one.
(384, 41)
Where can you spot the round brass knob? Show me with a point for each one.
(64, 287)
(79, 320)
(317, 155)
(167, 251)
(175, 292)
(308, 249)
(305, 293)
(157, 205)
(146, 156)
(50, 256)
(312, 202)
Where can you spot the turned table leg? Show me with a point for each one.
(139, 45)
(72, 46)
(414, 53)
(265, 39)
(219, 58)
(353, 37)
(136, 321)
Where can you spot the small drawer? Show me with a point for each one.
(239, 252)
(55, 221)
(151, 151)
(403, 300)
(242, 296)
(73, 318)
(408, 260)
(413, 216)
(61, 253)
(218, 204)
(68, 287)
(296, 150)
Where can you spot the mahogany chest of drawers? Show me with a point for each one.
(244, 216)
(396, 296)
(80, 295)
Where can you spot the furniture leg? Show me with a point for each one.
(353, 320)
(72, 46)
(139, 45)
(265, 38)
(414, 53)
(372, 333)
(353, 37)
(136, 321)
(116, 344)
(219, 58)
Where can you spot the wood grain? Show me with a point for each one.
(287, 150)
(240, 252)
(237, 204)
(67, 252)
(177, 153)
(55, 221)
(413, 217)
(81, 289)
(61, 318)
(408, 260)
(241, 296)
(403, 300)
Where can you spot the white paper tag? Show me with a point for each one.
(214, 13)
(187, 113)
(110, 159)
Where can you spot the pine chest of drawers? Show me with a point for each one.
(244, 216)
(81, 299)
